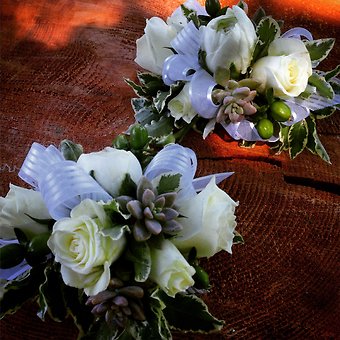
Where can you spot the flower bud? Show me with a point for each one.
(138, 137)
(280, 111)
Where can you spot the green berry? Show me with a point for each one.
(280, 111)
(138, 137)
(11, 255)
(121, 142)
(265, 128)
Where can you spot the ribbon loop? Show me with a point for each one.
(63, 184)
(201, 86)
(175, 158)
(297, 33)
(179, 67)
(187, 41)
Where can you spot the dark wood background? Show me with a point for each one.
(63, 65)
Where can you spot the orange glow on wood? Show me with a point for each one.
(53, 23)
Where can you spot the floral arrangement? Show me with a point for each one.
(212, 65)
(113, 238)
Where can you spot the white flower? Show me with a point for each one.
(154, 46)
(15, 208)
(286, 69)
(180, 106)
(209, 222)
(228, 39)
(170, 270)
(110, 167)
(84, 248)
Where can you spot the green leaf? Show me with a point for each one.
(101, 331)
(163, 97)
(151, 83)
(333, 73)
(324, 113)
(247, 144)
(163, 126)
(70, 150)
(144, 110)
(21, 237)
(319, 49)
(51, 298)
(335, 85)
(127, 188)
(168, 183)
(188, 313)
(297, 138)
(190, 14)
(138, 89)
(139, 254)
(321, 85)
(238, 238)
(267, 30)
(75, 300)
(20, 290)
(259, 14)
(314, 144)
(283, 138)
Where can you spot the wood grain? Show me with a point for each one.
(63, 65)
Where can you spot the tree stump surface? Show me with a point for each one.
(63, 65)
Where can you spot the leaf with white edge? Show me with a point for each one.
(321, 85)
(335, 86)
(259, 14)
(156, 327)
(297, 138)
(238, 238)
(100, 330)
(247, 144)
(24, 288)
(139, 254)
(70, 150)
(267, 30)
(138, 89)
(81, 314)
(163, 126)
(190, 14)
(324, 113)
(51, 297)
(319, 49)
(283, 138)
(314, 144)
(168, 183)
(151, 83)
(188, 313)
(162, 97)
(144, 110)
(332, 74)
(116, 232)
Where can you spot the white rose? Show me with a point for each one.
(15, 208)
(154, 46)
(110, 167)
(286, 69)
(170, 270)
(84, 248)
(228, 39)
(209, 222)
(180, 106)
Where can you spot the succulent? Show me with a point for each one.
(118, 303)
(153, 213)
(236, 101)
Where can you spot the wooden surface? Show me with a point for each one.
(62, 69)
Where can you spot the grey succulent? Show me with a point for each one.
(118, 303)
(153, 213)
(236, 101)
